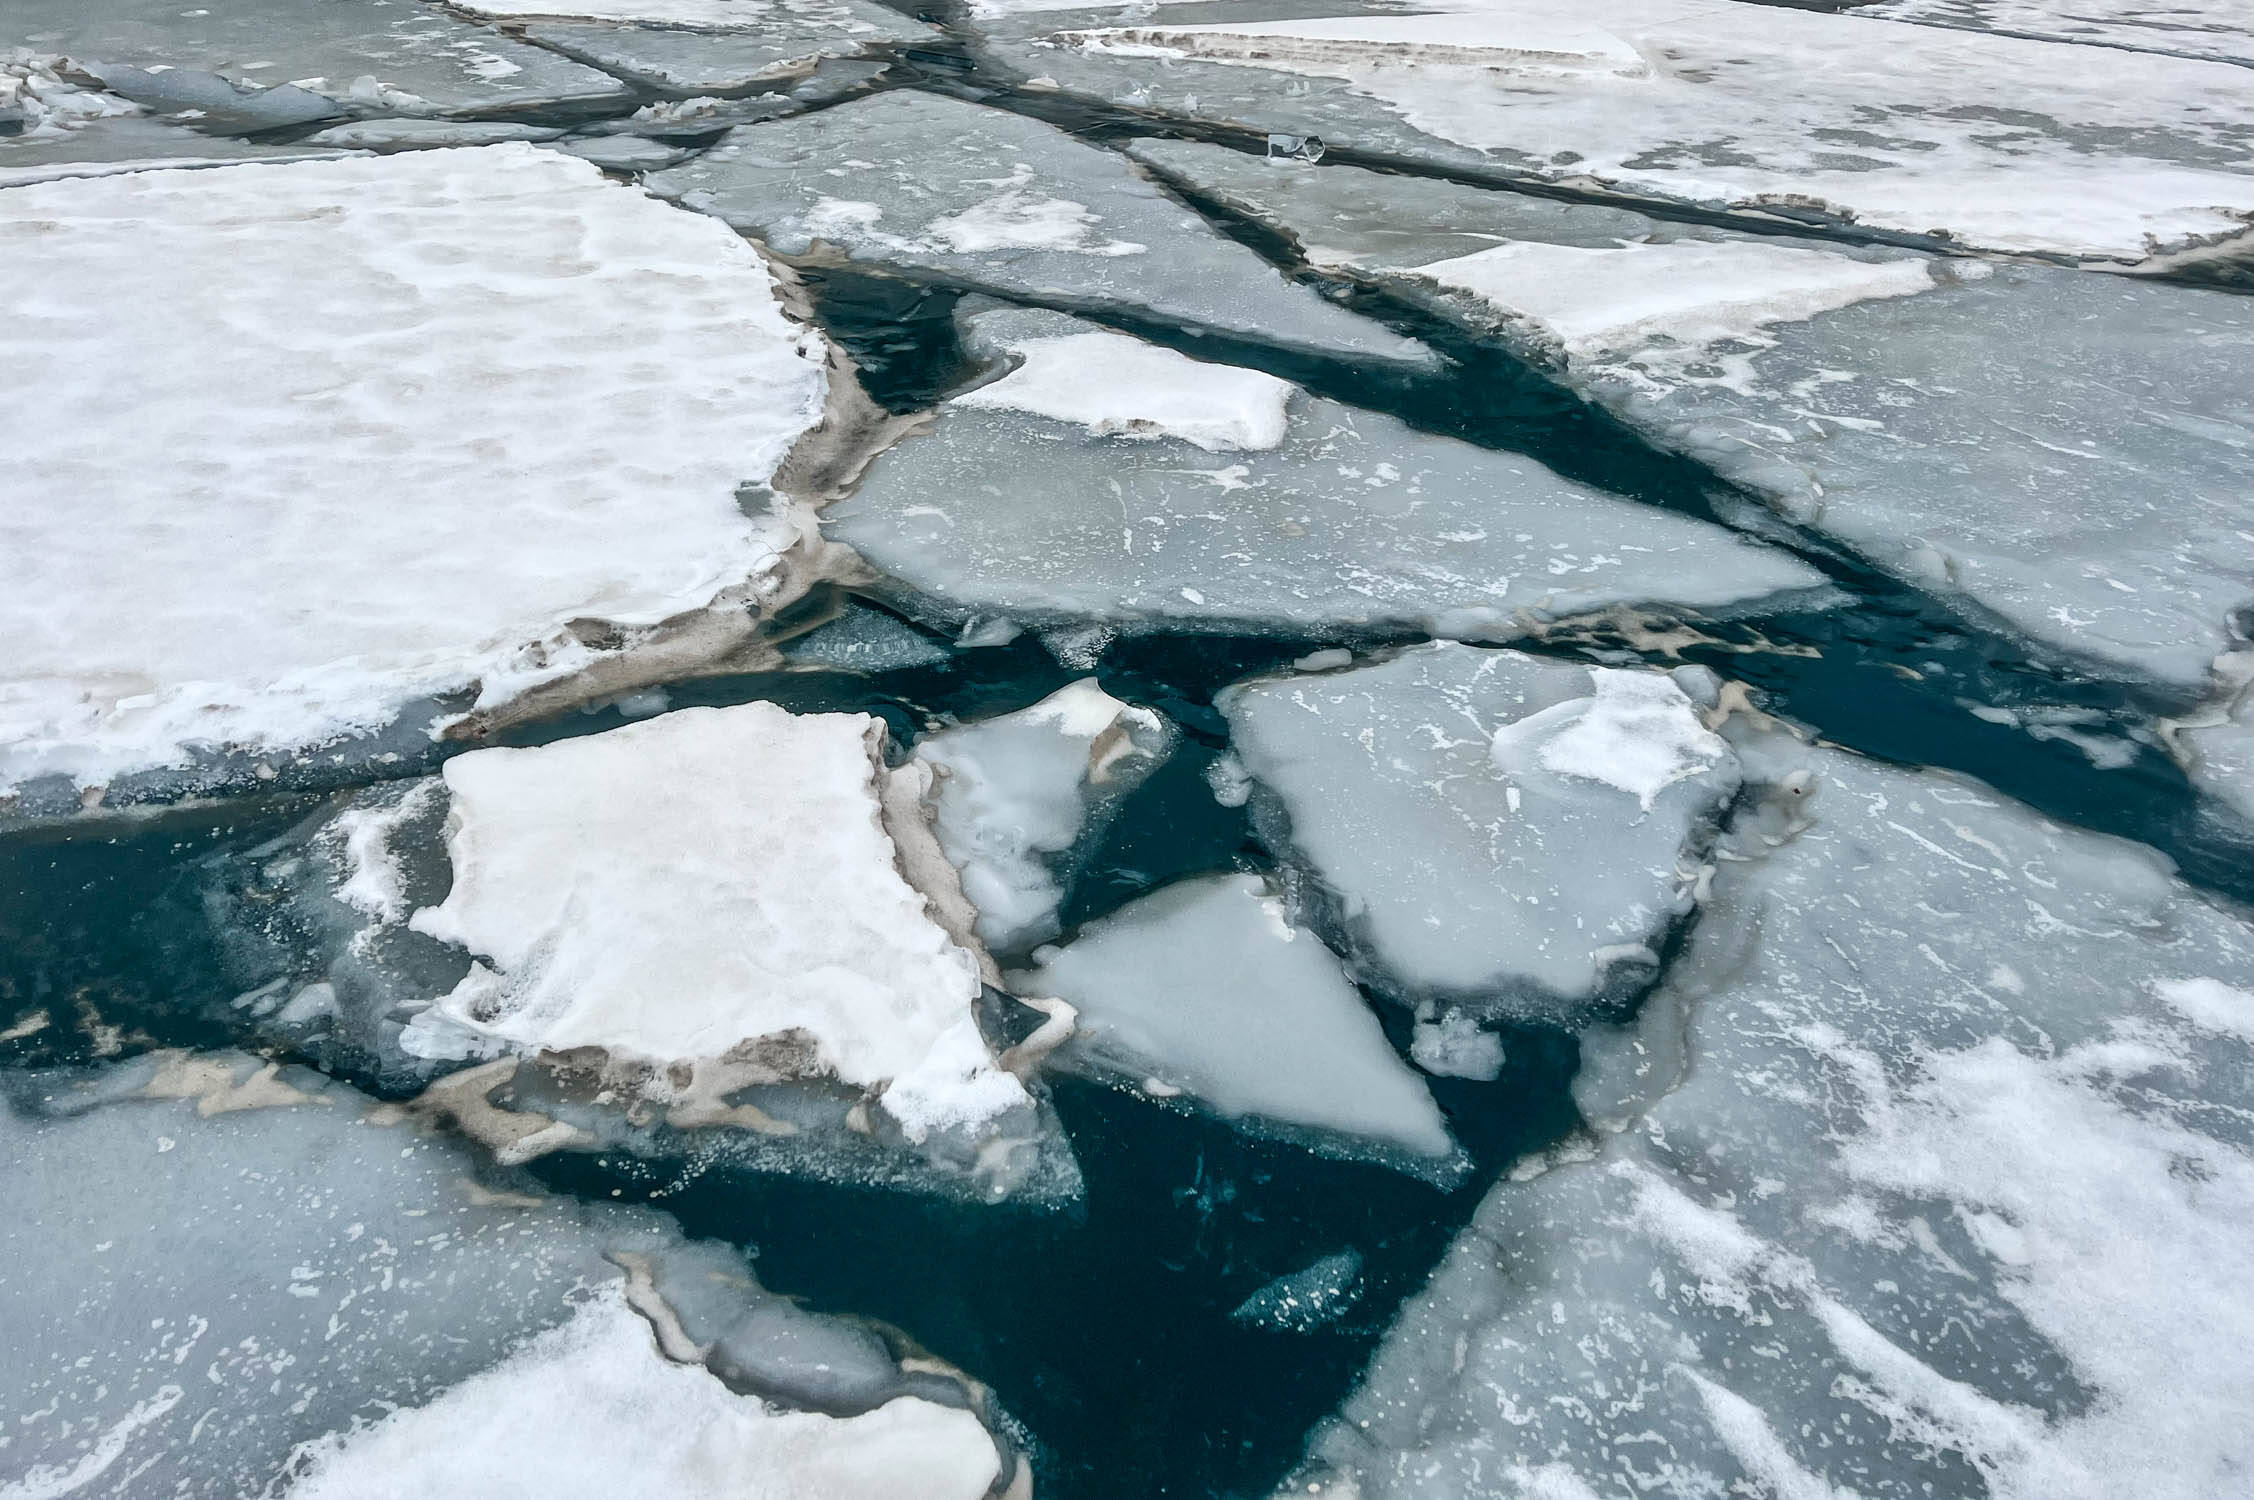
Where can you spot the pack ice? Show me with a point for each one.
(236, 1279)
(2062, 453)
(1498, 835)
(694, 46)
(1966, 137)
(321, 443)
(727, 918)
(292, 60)
(1932, 1176)
(1106, 479)
(1002, 203)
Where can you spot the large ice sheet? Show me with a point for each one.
(2219, 29)
(1128, 485)
(371, 56)
(2064, 452)
(735, 46)
(317, 442)
(218, 1268)
(1014, 795)
(1209, 988)
(1502, 833)
(1936, 1174)
(1986, 140)
(1006, 204)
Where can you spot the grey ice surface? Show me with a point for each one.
(1499, 834)
(1207, 988)
(919, 183)
(212, 1261)
(1354, 523)
(622, 153)
(786, 41)
(2218, 743)
(2066, 453)
(67, 125)
(415, 135)
(373, 56)
(1934, 1173)
(2222, 30)
(864, 640)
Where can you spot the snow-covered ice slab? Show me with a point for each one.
(709, 44)
(1942, 1190)
(2222, 30)
(2062, 452)
(1498, 834)
(1209, 989)
(315, 443)
(1983, 140)
(369, 56)
(1006, 204)
(221, 1272)
(1108, 479)
(1015, 795)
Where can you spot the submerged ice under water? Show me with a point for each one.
(1257, 866)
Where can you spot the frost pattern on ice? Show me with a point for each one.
(318, 441)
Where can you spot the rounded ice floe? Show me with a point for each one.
(316, 442)
(1499, 833)
(1210, 990)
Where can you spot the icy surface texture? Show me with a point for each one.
(1511, 835)
(1939, 1190)
(736, 47)
(1014, 796)
(714, 891)
(920, 183)
(864, 640)
(1351, 521)
(2217, 744)
(370, 56)
(1988, 140)
(2218, 29)
(1208, 988)
(414, 135)
(240, 361)
(215, 1262)
(2064, 451)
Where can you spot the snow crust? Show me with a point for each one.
(190, 558)
(1989, 140)
(1491, 828)
(1932, 1153)
(1210, 988)
(1017, 792)
(1110, 383)
(590, 1410)
(682, 889)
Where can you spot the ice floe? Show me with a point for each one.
(2217, 29)
(226, 1275)
(1155, 499)
(920, 183)
(1982, 140)
(1207, 988)
(321, 442)
(2061, 452)
(710, 46)
(1933, 1171)
(1014, 796)
(1498, 834)
(361, 57)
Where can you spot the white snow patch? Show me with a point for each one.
(2210, 1004)
(1640, 734)
(1115, 385)
(372, 882)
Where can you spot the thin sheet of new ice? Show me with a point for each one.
(1995, 141)
(308, 443)
(1942, 1190)
(1110, 480)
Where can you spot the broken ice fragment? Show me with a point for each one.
(1211, 990)
(1306, 1300)
(1510, 835)
(1109, 384)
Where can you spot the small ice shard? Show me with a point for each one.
(1015, 795)
(922, 183)
(713, 894)
(1169, 497)
(1454, 1045)
(1505, 834)
(179, 596)
(1307, 1300)
(1208, 987)
(1805, 374)
(2217, 29)
(1778, 112)
(864, 640)
(369, 57)
(213, 102)
(223, 1273)
(1931, 1177)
